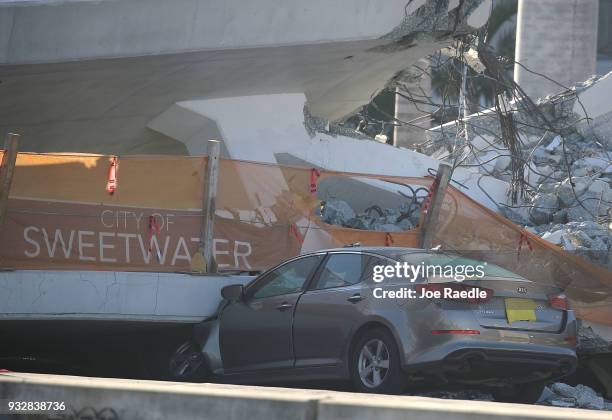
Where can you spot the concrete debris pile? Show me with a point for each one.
(567, 174)
(340, 213)
(438, 17)
(314, 125)
(557, 394)
(579, 396)
(591, 343)
(462, 394)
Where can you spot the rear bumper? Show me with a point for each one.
(496, 367)
(503, 363)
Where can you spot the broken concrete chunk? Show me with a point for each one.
(552, 146)
(544, 206)
(567, 194)
(337, 212)
(587, 398)
(589, 342)
(599, 163)
(598, 244)
(560, 216)
(575, 241)
(502, 163)
(580, 171)
(406, 224)
(548, 187)
(557, 158)
(554, 237)
(582, 396)
(545, 170)
(357, 223)
(541, 156)
(580, 214)
(599, 186)
(520, 216)
(563, 402)
(563, 390)
(483, 142)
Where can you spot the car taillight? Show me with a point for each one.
(457, 292)
(558, 301)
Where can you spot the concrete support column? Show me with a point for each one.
(406, 110)
(558, 39)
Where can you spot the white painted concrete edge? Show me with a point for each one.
(55, 31)
(159, 400)
(110, 295)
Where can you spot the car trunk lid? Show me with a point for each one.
(518, 304)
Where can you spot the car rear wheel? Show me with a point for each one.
(523, 393)
(375, 364)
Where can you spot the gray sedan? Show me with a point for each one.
(328, 315)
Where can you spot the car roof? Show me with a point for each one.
(385, 251)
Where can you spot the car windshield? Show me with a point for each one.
(445, 260)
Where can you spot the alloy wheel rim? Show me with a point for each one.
(186, 360)
(373, 363)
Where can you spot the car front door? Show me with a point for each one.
(256, 332)
(328, 311)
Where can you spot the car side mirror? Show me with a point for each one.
(233, 292)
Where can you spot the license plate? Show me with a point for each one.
(520, 309)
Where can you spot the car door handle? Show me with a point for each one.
(284, 306)
(355, 298)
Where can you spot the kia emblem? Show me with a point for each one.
(522, 290)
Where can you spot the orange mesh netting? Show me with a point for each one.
(63, 215)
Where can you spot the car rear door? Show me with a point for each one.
(256, 333)
(328, 311)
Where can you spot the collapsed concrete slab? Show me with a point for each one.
(594, 108)
(274, 124)
(89, 76)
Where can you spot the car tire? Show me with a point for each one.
(184, 363)
(375, 363)
(524, 393)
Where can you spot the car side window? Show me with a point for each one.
(288, 278)
(370, 274)
(375, 271)
(340, 270)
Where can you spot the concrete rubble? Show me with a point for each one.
(461, 394)
(591, 342)
(579, 396)
(567, 174)
(557, 394)
(339, 212)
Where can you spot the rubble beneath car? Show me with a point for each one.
(557, 394)
(579, 396)
(566, 174)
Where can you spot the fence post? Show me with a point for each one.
(7, 169)
(430, 223)
(209, 198)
